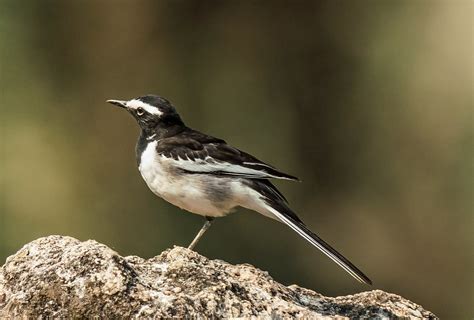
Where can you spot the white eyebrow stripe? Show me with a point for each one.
(134, 104)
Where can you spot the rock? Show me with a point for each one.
(61, 277)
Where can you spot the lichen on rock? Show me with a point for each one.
(59, 276)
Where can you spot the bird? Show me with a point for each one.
(206, 176)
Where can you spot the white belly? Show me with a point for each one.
(202, 194)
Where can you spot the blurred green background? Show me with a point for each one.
(368, 102)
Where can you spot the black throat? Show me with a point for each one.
(161, 131)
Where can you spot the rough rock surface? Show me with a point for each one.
(63, 277)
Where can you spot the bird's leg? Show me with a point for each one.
(201, 232)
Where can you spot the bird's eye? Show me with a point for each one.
(140, 111)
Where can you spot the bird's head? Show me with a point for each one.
(150, 111)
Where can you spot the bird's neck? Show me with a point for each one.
(148, 135)
(161, 131)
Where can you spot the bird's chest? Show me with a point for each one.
(158, 175)
(201, 194)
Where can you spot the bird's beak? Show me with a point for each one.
(120, 103)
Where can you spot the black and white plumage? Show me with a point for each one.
(206, 176)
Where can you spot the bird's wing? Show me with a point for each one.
(195, 152)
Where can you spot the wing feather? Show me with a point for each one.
(195, 152)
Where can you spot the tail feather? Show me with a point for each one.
(319, 243)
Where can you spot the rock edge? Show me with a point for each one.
(59, 276)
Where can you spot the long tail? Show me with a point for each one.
(276, 204)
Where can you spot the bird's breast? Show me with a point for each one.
(156, 174)
(202, 194)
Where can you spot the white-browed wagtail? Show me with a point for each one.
(206, 176)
